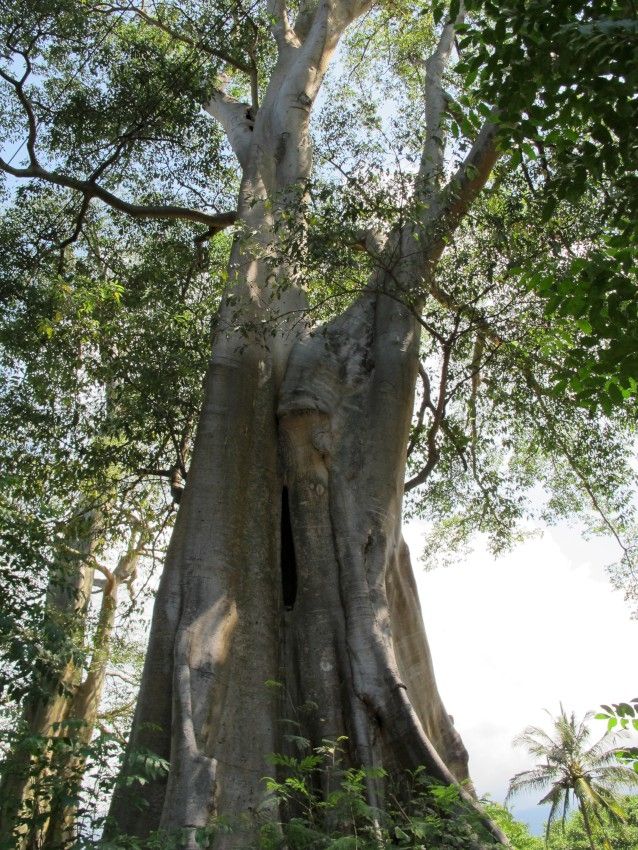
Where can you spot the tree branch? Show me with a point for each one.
(90, 190)
(431, 167)
(237, 119)
(244, 67)
(455, 199)
(18, 85)
(426, 403)
(283, 33)
(76, 230)
(438, 416)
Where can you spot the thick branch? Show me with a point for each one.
(237, 119)
(90, 190)
(457, 197)
(431, 166)
(282, 32)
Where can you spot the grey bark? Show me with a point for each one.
(324, 415)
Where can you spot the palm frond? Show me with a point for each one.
(536, 740)
(554, 796)
(530, 780)
(601, 749)
(591, 774)
(610, 804)
(615, 776)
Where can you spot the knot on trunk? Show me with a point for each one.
(305, 440)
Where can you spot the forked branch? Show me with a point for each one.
(438, 415)
(236, 118)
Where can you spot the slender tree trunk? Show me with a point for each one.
(61, 716)
(84, 705)
(23, 807)
(587, 824)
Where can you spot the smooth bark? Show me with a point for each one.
(287, 563)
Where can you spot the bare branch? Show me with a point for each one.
(438, 416)
(425, 403)
(572, 461)
(475, 366)
(455, 199)
(108, 575)
(18, 85)
(76, 230)
(281, 29)
(90, 190)
(115, 674)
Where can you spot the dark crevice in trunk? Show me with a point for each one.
(288, 560)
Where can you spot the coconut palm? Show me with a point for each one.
(590, 777)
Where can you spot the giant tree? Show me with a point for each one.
(287, 562)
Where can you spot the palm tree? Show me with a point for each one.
(591, 776)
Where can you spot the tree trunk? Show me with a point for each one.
(37, 791)
(24, 807)
(287, 562)
(586, 822)
(83, 706)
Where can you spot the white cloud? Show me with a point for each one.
(514, 636)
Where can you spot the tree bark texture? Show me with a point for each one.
(322, 600)
(287, 561)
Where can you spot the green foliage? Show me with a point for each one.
(324, 805)
(623, 716)
(620, 836)
(517, 833)
(590, 776)
(571, 74)
(563, 78)
(104, 359)
(55, 765)
(530, 328)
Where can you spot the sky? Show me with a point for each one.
(515, 636)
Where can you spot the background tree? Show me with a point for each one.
(590, 776)
(77, 356)
(517, 833)
(620, 836)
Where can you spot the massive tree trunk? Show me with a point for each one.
(287, 561)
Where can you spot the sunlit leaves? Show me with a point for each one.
(565, 81)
